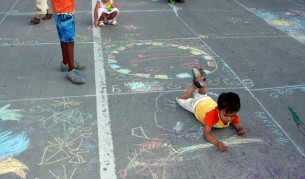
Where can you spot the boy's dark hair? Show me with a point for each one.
(229, 102)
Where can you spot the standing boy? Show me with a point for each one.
(65, 24)
(206, 110)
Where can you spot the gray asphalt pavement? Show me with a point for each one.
(124, 121)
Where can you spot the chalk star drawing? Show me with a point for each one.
(65, 173)
(11, 165)
(10, 114)
(66, 103)
(62, 150)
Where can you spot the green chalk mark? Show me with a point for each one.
(9, 114)
(295, 116)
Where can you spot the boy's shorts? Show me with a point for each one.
(65, 24)
(190, 103)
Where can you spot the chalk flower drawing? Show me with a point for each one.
(11, 165)
(62, 150)
(66, 103)
(10, 114)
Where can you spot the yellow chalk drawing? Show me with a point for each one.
(65, 173)
(62, 150)
(281, 23)
(66, 103)
(11, 165)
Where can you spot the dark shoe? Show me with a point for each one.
(35, 21)
(48, 16)
(181, 1)
(199, 76)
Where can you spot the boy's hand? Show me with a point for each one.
(221, 146)
(241, 131)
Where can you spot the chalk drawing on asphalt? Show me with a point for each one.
(284, 91)
(60, 150)
(139, 132)
(13, 144)
(145, 65)
(68, 120)
(10, 114)
(155, 157)
(65, 173)
(291, 21)
(298, 121)
(66, 103)
(11, 165)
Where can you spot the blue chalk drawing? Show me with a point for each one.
(12, 144)
(291, 22)
(10, 114)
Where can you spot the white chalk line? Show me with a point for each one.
(148, 92)
(38, 44)
(8, 12)
(106, 154)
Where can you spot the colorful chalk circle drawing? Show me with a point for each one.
(150, 63)
(12, 144)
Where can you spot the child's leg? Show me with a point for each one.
(186, 104)
(102, 17)
(188, 93)
(70, 52)
(202, 90)
(64, 52)
(67, 49)
(112, 16)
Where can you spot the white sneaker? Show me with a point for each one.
(113, 22)
(101, 24)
